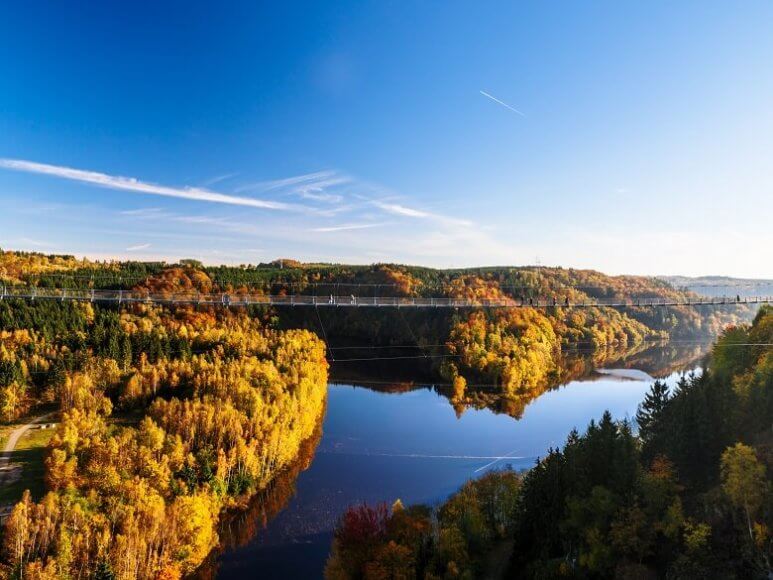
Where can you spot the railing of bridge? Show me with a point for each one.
(291, 300)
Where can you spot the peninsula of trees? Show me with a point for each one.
(169, 417)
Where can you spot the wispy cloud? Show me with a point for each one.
(220, 223)
(218, 178)
(285, 182)
(200, 219)
(34, 242)
(321, 196)
(138, 247)
(345, 227)
(337, 216)
(401, 210)
(135, 185)
(321, 186)
(398, 209)
(144, 212)
(318, 190)
(493, 98)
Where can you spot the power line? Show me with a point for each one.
(406, 357)
(425, 356)
(664, 341)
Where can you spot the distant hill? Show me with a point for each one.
(721, 285)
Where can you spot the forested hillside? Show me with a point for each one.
(688, 496)
(519, 352)
(168, 418)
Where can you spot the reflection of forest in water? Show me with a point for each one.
(399, 376)
(657, 359)
(667, 358)
(238, 528)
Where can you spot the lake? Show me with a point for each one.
(387, 441)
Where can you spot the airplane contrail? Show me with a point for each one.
(513, 109)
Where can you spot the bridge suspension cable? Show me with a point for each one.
(324, 335)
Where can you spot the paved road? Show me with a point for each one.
(13, 439)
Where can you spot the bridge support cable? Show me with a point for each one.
(413, 336)
(324, 335)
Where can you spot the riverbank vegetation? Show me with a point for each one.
(168, 418)
(688, 496)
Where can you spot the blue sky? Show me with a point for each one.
(630, 137)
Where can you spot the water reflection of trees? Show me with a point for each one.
(241, 526)
(667, 358)
(657, 360)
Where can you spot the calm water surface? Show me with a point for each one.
(379, 446)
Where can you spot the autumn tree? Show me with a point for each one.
(744, 481)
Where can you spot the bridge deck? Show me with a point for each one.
(242, 299)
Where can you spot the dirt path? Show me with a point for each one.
(13, 439)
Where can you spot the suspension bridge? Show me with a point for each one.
(352, 301)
